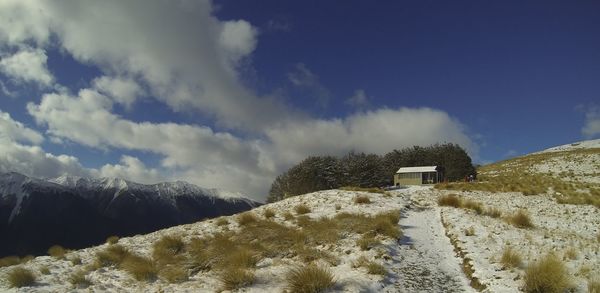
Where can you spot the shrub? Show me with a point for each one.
(140, 268)
(547, 275)
(450, 200)
(246, 218)
(173, 274)
(521, 219)
(57, 251)
(362, 199)
(302, 209)
(9, 261)
(20, 277)
(374, 268)
(79, 279)
(309, 279)
(269, 213)
(111, 256)
(112, 239)
(235, 278)
(510, 258)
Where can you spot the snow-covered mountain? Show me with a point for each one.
(78, 212)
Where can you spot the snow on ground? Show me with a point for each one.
(558, 229)
(423, 260)
(586, 144)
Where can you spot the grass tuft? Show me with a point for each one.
(246, 218)
(269, 213)
(309, 278)
(374, 268)
(367, 241)
(168, 250)
(450, 200)
(76, 260)
(547, 275)
(140, 268)
(79, 279)
(594, 286)
(20, 277)
(302, 209)
(112, 239)
(236, 278)
(57, 251)
(44, 270)
(510, 258)
(521, 219)
(493, 212)
(222, 221)
(113, 255)
(362, 199)
(173, 274)
(9, 261)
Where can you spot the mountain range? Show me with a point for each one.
(77, 212)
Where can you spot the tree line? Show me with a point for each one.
(367, 170)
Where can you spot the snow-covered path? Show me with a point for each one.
(424, 260)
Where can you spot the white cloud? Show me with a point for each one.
(133, 169)
(591, 128)
(11, 130)
(123, 90)
(358, 100)
(27, 65)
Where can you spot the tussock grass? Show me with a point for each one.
(246, 218)
(302, 209)
(112, 239)
(362, 199)
(76, 260)
(510, 258)
(140, 268)
(338, 207)
(57, 251)
(521, 219)
(288, 216)
(20, 277)
(594, 285)
(79, 279)
(367, 241)
(241, 258)
(173, 274)
(27, 258)
(473, 205)
(493, 212)
(113, 255)
(450, 200)
(198, 257)
(470, 231)
(547, 275)
(269, 213)
(363, 189)
(168, 250)
(309, 278)
(222, 221)
(571, 253)
(374, 268)
(236, 278)
(9, 261)
(44, 270)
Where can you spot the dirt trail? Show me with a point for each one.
(424, 260)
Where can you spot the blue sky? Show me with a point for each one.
(229, 94)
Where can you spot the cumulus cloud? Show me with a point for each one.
(591, 128)
(358, 100)
(27, 65)
(11, 130)
(133, 169)
(122, 89)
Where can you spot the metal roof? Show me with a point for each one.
(417, 169)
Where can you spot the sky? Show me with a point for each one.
(230, 94)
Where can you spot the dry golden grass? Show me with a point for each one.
(168, 250)
(112, 239)
(44, 270)
(510, 258)
(246, 218)
(374, 268)
(364, 189)
(470, 231)
(113, 255)
(302, 209)
(140, 268)
(338, 207)
(450, 200)
(571, 253)
(473, 205)
(76, 260)
(493, 212)
(594, 286)
(309, 279)
(269, 213)
(173, 274)
(547, 275)
(236, 278)
(79, 279)
(57, 251)
(288, 216)
(199, 258)
(20, 277)
(362, 199)
(222, 221)
(242, 257)
(367, 241)
(9, 261)
(521, 219)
